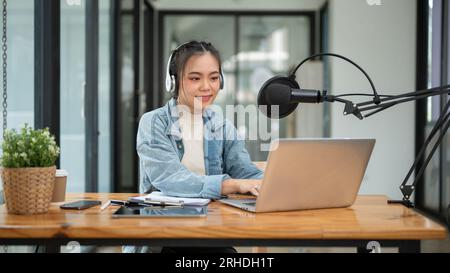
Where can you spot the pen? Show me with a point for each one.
(118, 202)
(107, 204)
(136, 203)
(112, 202)
(132, 203)
(163, 204)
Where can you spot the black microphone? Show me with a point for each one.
(285, 93)
(278, 94)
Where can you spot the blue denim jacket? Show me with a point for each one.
(160, 149)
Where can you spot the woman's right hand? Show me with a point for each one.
(241, 186)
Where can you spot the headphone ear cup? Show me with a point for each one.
(173, 84)
(222, 81)
(168, 76)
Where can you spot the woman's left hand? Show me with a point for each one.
(242, 186)
(250, 186)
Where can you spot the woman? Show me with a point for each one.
(185, 148)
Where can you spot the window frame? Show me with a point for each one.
(422, 76)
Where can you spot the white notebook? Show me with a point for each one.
(159, 197)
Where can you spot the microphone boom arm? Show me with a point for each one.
(378, 104)
(376, 97)
(442, 125)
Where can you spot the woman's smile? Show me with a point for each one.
(204, 98)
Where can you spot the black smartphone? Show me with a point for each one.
(79, 205)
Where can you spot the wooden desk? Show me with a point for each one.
(369, 219)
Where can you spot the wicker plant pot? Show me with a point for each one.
(28, 190)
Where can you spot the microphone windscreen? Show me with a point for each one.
(278, 94)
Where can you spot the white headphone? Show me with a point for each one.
(171, 83)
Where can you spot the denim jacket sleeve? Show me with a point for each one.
(237, 160)
(161, 166)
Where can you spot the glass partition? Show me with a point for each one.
(73, 83)
(253, 49)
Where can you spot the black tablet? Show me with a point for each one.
(143, 212)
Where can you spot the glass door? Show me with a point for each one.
(73, 87)
(268, 46)
(85, 94)
(257, 48)
(445, 205)
(435, 195)
(20, 67)
(128, 96)
(104, 97)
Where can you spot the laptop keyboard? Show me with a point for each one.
(250, 204)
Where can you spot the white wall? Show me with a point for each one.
(382, 40)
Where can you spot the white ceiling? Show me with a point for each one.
(241, 5)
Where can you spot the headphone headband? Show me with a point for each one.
(171, 83)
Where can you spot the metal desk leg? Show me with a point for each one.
(52, 248)
(409, 247)
(363, 250)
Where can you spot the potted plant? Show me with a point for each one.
(28, 170)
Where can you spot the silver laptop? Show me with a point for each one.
(304, 174)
